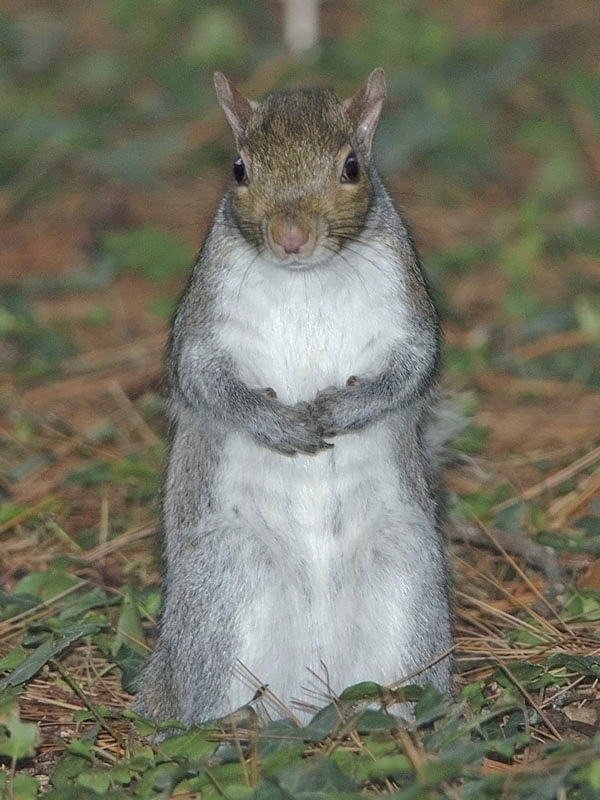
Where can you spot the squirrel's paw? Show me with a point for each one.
(324, 408)
(332, 408)
(295, 431)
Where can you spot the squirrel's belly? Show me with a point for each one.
(310, 500)
(314, 531)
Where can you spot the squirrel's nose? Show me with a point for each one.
(289, 236)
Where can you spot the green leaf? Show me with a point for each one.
(363, 692)
(146, 727)
(129, 625)
(13, 604)
(322, 724)
(473, 694)
(46, 584)
(9, 511)
(369, 721)
(163, 307)
(159, 781)
(431, 705)
(83, 748)
(269, 789)
(12, 659)
(215, 38)
(392, 766)
(131, 663)
(25, 787)
(17, 739)
(9, 699)
(278, 760)
(138, 159)
(214, 782)
(239, 792)
(524, 673)
(592, 774)
(195, 744)
(96, 780)
(93, 475)
(96, 598)
(53, 645)
(138, 473)
(278, 736)
(123, 773)
(142, 758)
(584, 604)
(581, 665)
(315, 777)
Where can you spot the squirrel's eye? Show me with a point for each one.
(351, 171)
(239, 171)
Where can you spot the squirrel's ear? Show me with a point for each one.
(236, 107)
(364, 107)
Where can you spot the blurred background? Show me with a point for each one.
(113, 155)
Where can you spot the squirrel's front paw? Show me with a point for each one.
(297, 431)
(324, 408)
(332, 408)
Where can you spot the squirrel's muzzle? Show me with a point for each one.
(291, 237)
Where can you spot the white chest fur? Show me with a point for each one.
(299, 331)
(322, 519)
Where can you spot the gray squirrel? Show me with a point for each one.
(301, 514)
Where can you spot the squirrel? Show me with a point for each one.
(301, 509)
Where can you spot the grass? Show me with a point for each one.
(112, 158)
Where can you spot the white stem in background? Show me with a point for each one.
(301, 24)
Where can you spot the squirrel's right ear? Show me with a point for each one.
(364, 107)
(237, 108)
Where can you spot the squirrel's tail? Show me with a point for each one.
(449, 416)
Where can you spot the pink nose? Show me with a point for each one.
(290, 236)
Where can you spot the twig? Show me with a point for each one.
(526, 606)
(34, 613)
(416, 757)
(104, 523)
(27, 513)
(588, 134)
(495, 541)
(566, 340)
(263, 690)
(540, 557)
(508, 384)
(137, 421)
(121, 541)
(554, 480)
(415, 673)
(530, 700)
(109, 358)
(75, 687)
(503, 615)
(563, 507)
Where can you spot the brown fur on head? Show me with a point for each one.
(294, 191)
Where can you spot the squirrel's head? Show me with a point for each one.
(302, 182)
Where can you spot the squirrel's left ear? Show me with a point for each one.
(364, 107)
(237, 108)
